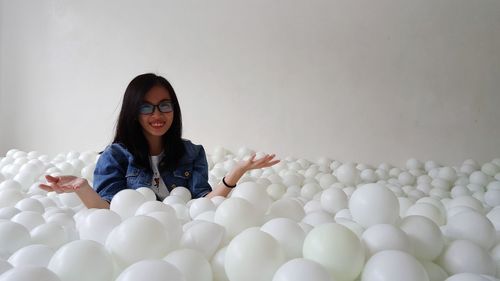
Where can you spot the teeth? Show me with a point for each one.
(157, 124)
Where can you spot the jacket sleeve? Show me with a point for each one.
(110, 172)
(199, 179)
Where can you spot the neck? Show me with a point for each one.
(155, 146)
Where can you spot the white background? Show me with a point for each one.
(364, 81)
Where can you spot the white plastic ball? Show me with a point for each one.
(382, 174)
(301, 269)
(154, 206)
(255, 194)
(172, 200)
(50, 234)
(7, 213)
(148, 193)
(464, 256)
(10, 184)
(171, 225)
(448, 174)
(29, 219)
(152, 270)
(393, 265)
(429, 165)
(181, 192)
(230, 215)
(490, 169)
(138, 238)
(217, 200)
(199, 206)
(327, 180)
(73, 261)
(494, 217)
(459, 190)
(347, 174)
(217, 264)
(311, 206)
(30, 204)
(373, 204)
(425, 237)
(316, 218)
(250, 252)
(206, 216)
(466, 201)
(406, 178)
(427, 210)
(414, 164)
(472, 226)
(288, 233)
(276, 190)
(309, 190)
(4, 266)
(434, 271)
(479, 178)
(336, 248)
(66, 168)
(13, 236)
(287, 208)
(97, 225)
(492, 197)
(333, 199)
(368, 176)
(469, 277)
(439, 193)
(193, 265)
(204, 237)
(126, 202)
(383, 237)
(29, 273)
(441, 184)
(494, 185)
(32, 255)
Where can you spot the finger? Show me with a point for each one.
(262, 160)
(252, 157)
(45, 187)
(52, 179)
(274, 162)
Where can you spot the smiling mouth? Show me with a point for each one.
(157, 124)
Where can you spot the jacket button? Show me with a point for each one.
(186, 174)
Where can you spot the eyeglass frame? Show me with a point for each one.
(157, 106)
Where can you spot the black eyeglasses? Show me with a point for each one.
(163, 107)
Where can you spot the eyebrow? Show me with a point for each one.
(163, 100)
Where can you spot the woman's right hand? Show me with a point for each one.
(63, 184)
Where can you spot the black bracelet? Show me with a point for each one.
(227, 185)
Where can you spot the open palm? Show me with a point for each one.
(62, 184)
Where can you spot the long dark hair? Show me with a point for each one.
(129, 131)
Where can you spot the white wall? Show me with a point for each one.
(3, 122)
(366, 81)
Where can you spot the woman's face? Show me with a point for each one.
(156, 124)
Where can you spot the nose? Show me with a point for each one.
(156, 111)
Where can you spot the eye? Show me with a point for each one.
(166, 106)
(146, 108)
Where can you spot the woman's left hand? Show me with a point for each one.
(266, 161)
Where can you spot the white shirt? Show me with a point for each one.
(157, 184)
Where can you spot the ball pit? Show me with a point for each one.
(298, 220)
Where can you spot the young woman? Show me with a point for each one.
(148, 151)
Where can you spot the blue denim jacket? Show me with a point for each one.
(116, 170)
